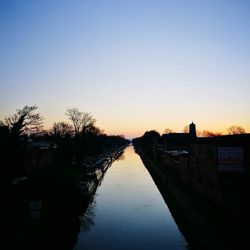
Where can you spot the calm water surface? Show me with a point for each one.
(128, 212)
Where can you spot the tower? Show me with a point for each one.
(192, 130)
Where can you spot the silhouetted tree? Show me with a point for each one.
(94, 130)
(25, 120)
(236, 130)
(83, 125)
(61, 129)
(206, 133)
(82, 121)
(76, 118)
(186, 129)
(168, 131)
(88, 123)
(148, 141)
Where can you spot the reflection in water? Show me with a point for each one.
(128, 212)
(121, 157)
(87, 219)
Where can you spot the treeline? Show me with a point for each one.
(147, 141)
(71, 142)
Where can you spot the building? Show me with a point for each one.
(219, 170)
(180, 141)
(175, 152)
(39, 154)
(177, 162)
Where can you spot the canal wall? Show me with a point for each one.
(201, 223)
(93, 173)
(42, 211)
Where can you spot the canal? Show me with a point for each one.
(128, 212)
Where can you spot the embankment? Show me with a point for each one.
(203, 225)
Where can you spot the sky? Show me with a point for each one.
(135, 65)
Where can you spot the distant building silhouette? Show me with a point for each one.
(180, 141)
(192, 130)
(38, 154)
(218, 168)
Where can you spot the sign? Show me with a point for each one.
(230, 159)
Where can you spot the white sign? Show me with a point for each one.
(230, 159)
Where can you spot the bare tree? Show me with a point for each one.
(236, 130)
(168, 131)
(24, 121)
(88, 122)
(186, 129)
(76, 118)
(95, 130)
(61, 129)
(206, 133)
(81, 121)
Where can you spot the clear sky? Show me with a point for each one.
(135, 65)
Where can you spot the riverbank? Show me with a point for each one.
(41, 211)
(203, 225)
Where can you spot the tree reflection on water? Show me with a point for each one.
(121, 157)
(87, 219)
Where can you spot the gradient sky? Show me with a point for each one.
(135, 65)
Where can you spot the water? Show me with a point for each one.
(128, 212)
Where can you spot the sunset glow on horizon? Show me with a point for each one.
(134, 65)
